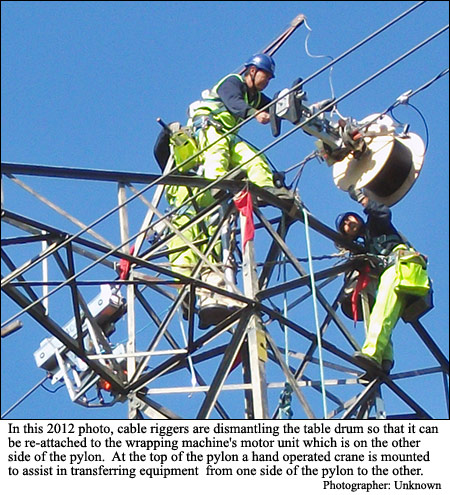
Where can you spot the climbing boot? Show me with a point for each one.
(387, 365)
(213, 308)
(373, 372)
(371, 366)
(368, 363)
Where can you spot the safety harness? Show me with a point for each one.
(212, 107)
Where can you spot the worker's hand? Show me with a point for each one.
(263, 117)
(356, 194)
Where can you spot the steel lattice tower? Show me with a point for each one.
(266, 360)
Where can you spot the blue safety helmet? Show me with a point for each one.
(263, 62)
(340, 220)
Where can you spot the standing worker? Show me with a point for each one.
(187, 203)
(403, 274)
(233, 99)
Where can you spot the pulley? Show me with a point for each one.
(389, 165)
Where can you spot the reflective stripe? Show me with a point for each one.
(404, 253)
(211, 104)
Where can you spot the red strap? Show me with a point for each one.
(244, 204)
(363, 281)
(236, 362)
(124, 266)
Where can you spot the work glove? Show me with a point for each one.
(356, 194)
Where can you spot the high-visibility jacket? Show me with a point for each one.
(232, 105)
(382, 238)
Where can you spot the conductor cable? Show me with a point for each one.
(17, 403)
(228, 174)
(307, 79)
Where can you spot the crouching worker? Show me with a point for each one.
(403, 273)
(233, 99)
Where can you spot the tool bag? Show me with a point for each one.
(411, 269)
(184, 146)
(180, 142)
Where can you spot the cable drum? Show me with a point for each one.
(388, 168)
(395, 171)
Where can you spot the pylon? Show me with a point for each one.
(171, 369)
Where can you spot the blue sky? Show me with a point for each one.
(83, 84)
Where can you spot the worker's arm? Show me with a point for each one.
(232, 92)
(263, 117)
(379, 216)
(377, 210)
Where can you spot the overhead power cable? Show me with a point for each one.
(407, 95)
(232, 172)
(303, 82)
(429, 83)
(309, 78)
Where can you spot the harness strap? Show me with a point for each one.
(201, 122)
(363, 281)
(378, 243)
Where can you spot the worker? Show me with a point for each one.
(402, 273)
(186, 203)
(233, 99)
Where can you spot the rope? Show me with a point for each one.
(285, 400)
(316, 316)
(330, 77)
